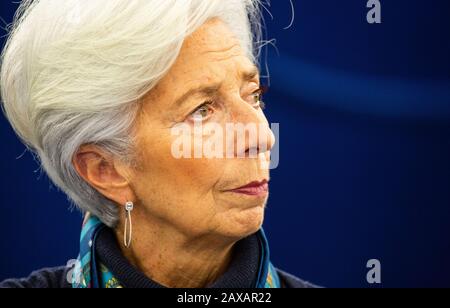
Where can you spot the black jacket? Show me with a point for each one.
(240, 274)
(56, 278)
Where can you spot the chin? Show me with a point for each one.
(246, 222)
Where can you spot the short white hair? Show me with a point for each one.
(73, 73)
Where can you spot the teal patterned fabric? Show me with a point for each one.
(88, 273)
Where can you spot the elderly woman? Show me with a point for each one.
(95, 90)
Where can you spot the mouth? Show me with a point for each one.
(255, 188)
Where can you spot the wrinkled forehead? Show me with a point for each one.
(210, 54)
(212, 43)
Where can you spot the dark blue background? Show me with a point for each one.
(364, 113)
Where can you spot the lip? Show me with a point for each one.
(255, 188)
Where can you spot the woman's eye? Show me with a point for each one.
(202, 112)
(258, 99)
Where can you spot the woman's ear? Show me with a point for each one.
(104, 173)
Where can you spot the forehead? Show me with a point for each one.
(211, 52)
(212, 38)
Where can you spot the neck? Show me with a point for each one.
(172, 259)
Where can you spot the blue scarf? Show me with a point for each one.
(90, 273)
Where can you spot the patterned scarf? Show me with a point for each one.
(90, 273)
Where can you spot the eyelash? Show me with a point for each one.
(261, 91)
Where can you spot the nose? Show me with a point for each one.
(253, 135)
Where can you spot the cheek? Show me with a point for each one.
(169, 175)
(200, 175)
(178, 191)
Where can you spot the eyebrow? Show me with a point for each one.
(210, 90)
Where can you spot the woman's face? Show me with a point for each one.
(192, 194)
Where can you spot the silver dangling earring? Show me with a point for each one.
(128, 225)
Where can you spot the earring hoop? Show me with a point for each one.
(128, 230)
